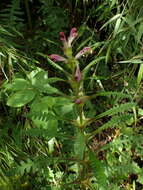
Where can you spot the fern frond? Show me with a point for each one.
(24, 167)
(119, 109)
(115, 121)
(98, 169)
(45, 117)
(110, 94)
(41, 116)
(11, 15)
(37, 163)
(3, 31)
(115, 110)
(48, 133)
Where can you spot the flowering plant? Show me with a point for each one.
(47, 112)
(75, 78)
(67, 47)
(87, 158)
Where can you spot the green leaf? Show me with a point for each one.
(113, 2)
(67, 108)
(140, 74)
(54, 79)
(140, 111)
(51, 144)
(41, 119)
(111, 20)
(108, 53)
(63, 105)
(140, 178)
(140, 32)
(48, 132)
(95, 61)
(111, 94)
(33, 73)
(20, 84)
(117, 26)
(79, 145)
(21, 98)
(42, 104)
(61, 101)
(98, 169)
(115, 121)
(40, 81)
(134, 61)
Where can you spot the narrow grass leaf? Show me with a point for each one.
(140, 74)
(111, 20)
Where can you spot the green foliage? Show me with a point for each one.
(79, 142)
(52, 16)
(115, 110)
(98, 170)
(12, 14)
(21, 98)
(116, 121)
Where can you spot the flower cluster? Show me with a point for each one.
(67, 44)
(72, 62)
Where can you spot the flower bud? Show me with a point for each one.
(57, 58)
(78, 101)
(73, 35)
(78, 75)
(84, 51)
(62, 37)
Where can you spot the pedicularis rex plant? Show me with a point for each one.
(45, 107)
(74, 75)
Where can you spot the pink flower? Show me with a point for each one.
(56, 57)
(78, 101)
(63, 39)
(73, 35)
(62, 36)
(77, 75)
(67, 42)
(84, 51)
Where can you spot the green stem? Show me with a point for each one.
(79, 124)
